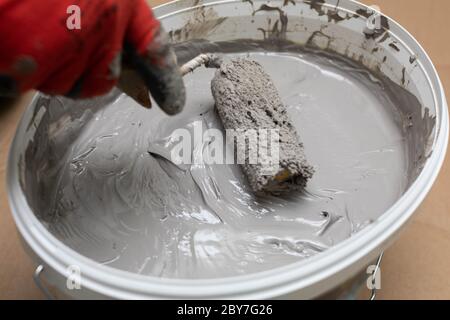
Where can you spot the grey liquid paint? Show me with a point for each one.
(100, 180)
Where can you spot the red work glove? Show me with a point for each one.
(38, 50)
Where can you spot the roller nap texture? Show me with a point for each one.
(246, 99)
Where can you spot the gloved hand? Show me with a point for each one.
(38, 50)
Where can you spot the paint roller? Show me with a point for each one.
(247, 100)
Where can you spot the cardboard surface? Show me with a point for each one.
(415, 267)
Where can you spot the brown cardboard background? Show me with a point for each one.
(416, 267)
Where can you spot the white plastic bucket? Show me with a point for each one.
(310, 278)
